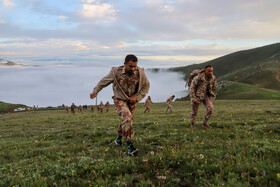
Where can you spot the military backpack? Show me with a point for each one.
(192, 76)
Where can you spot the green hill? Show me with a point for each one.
(259, 67)
(235, 90)
(7, 107)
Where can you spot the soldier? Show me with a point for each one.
(73, 106)
(147, 104)
(67, 109)
(92, 108)
(169, 102)
(107, 105)
(130, 85)
(80, 109)
(101, 107)
(203, 89)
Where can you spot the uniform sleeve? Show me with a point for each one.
(105, 81)
(144, 90)
(214, 89)
(193, 88)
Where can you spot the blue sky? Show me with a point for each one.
(162, 33)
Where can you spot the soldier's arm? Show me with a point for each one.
(145, 89)
(105, 81)
(193, 88)
(214, 89)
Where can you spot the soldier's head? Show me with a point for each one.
(173, 96)
(130, 63)
(208, 70)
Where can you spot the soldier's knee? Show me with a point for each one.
(210, 109)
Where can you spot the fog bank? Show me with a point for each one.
(66, 84)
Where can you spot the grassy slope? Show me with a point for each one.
(257, 66)
(43, 148)
(7, 107)
(245, 91)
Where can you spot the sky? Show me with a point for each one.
(161, 33)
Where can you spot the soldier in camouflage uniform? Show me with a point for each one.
(107, 106)
(147, 104)
(203, 89)
(92, 108)
(101, 107)
(130, 85)
(169, 102)
(73, 106)
(67, 109)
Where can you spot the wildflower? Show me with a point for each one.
(152, 152)
(278, 176)
(54, 183)
(202, 143)
(73, 174)
(201, 156)
(107, 149)
(161, 177)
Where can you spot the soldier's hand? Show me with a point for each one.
(132, 100)
(195, 101)
(92, 95)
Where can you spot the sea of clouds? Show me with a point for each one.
(54, 85)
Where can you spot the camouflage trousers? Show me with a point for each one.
(208, 106)
(126, 111)
(169, 107)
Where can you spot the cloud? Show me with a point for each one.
(57, 85)
(61, 17)
(159, 30)
(98, 12)
(8, 3)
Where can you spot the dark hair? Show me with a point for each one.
(173, 95)
(208, 66)
(130, 57)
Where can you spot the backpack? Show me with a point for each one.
(192, 76)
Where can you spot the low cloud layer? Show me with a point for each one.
(65, 84)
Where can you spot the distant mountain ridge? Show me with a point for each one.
(259, 67)
(9, 63)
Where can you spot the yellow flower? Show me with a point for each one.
(202, 143)
(107, 149)
(278, 176)
(73, 174)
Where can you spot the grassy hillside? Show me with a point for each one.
(52, 148)
(7, 107)
(259, 67)
(244, 91)
(236, 90)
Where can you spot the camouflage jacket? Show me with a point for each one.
(169, 100)
(147, 102)
(125, 86)
(200, 87)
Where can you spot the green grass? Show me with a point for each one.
(245, 91)
(47, 148)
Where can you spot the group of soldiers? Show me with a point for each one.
(168, 102)
(100, 108)
(131, 85)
